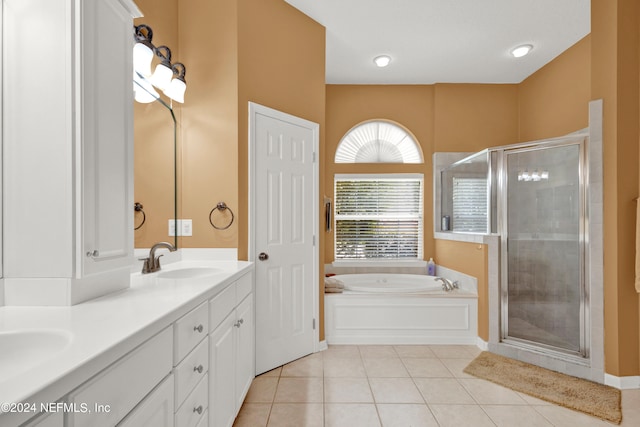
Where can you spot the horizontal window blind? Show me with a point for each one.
(470, 204)
(378, 217)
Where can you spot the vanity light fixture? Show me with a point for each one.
(522, 50)
(167, 77)
(382, 60)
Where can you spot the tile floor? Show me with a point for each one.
(413, 385)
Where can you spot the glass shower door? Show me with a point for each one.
(543, 300)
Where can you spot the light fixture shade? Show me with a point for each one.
(142, 57)
(144, 93)
(176, 90)
(161, 77)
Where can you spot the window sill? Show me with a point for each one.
(379, 263)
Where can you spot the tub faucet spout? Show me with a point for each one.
(152, 264)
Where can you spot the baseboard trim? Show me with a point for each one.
(622, 383)
(482, 344)
(322, 346)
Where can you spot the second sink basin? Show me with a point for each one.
(188, 273)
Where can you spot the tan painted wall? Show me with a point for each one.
(614, 78)
(471, 117)
(554, 101)
(260, 62)
(281, 66)
(209, 139)
(409, 106)
(443, 117)
(153, 136)
(281, 72)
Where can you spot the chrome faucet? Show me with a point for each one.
(447, 285)
(152, 263)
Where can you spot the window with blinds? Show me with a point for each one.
(470, 205)
(378, 217)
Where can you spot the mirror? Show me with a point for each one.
(155, 174)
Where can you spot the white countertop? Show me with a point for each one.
(104, 329)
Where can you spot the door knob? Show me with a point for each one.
(263, 256)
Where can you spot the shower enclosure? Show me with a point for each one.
(533, 196)
(543, 237)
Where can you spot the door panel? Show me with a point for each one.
(545, 284)
(284, 230)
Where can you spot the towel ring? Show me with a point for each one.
(138, 208)
(221, 206)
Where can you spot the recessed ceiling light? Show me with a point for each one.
(521, 51)
(382, 60)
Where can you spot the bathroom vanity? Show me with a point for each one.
(175, 349)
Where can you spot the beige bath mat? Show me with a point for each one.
(586, 396)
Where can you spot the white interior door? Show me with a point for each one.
(283, 194)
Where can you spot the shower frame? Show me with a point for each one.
(499, 197)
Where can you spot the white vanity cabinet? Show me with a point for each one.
(232, 350)
(68, 148)
(106, 399)
(47, 420)
(191, 366)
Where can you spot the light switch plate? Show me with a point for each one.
(185, 227)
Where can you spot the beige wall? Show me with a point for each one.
(281, 66)
(443, 117)
(283, 72)
(472, 117)
(614, 78)
(409, 106)
(209, 138)
(256, 59)
(153, 136)
(554, 101)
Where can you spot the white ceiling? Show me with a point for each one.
(444, 41)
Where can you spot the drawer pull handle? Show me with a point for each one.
(198, 328)
(198, 369)
(198, 409)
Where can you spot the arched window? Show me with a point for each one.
(378, 141)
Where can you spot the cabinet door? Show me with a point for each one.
(245, 359)
(106, 136)
(222, 401)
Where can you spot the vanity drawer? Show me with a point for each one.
(221, 305)
(244, 286)
(189, 330)
(191, 370)
(123, 384)
(156, 410)
(194, 407)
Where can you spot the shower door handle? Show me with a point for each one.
(263, 256)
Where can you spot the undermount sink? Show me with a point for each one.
(188, 273)
(24, 349)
